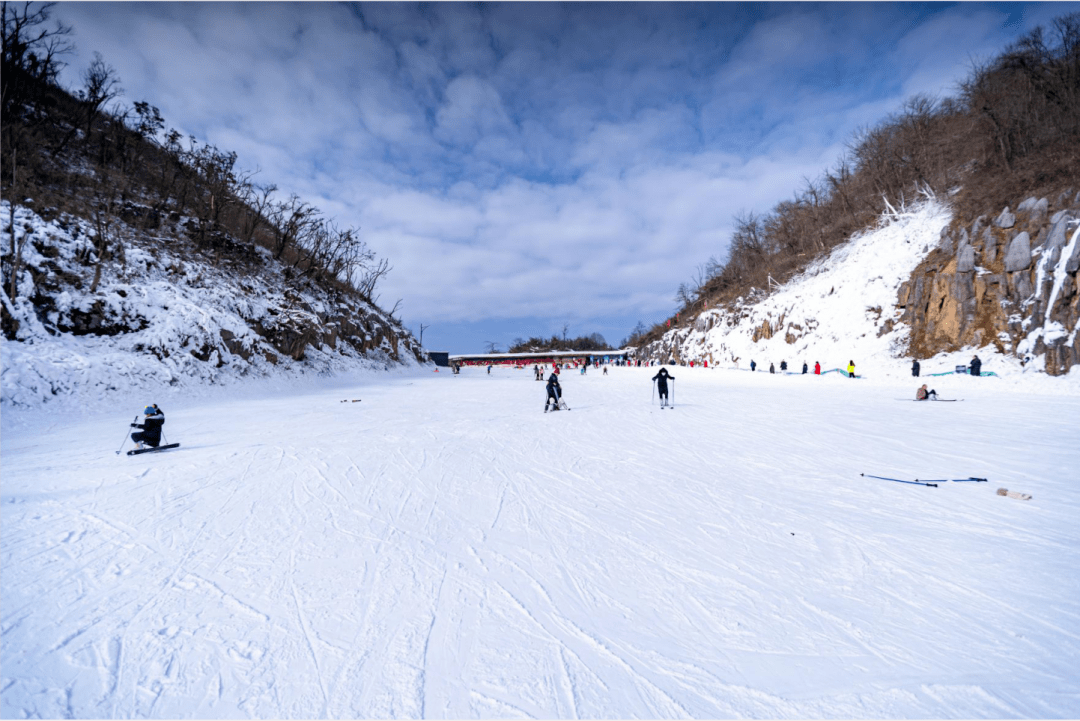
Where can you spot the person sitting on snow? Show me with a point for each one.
(151, 427)
(924, 395)
(554, 392)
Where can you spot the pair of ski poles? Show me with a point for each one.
(128, 435)
(932, 483)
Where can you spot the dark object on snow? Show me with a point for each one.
(753, 365)
(976, 366)
(137, 451)
(916, 482)
(661, 379)
(783, 365)
(915, 368)
(151, 427)
(554, 392)
(804, 368)
(772, 368)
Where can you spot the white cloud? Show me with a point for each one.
(536, 160)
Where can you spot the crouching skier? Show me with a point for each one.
(554, 392)
(150, 435)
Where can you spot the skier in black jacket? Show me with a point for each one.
(976, 366)
(151, 427)
(915, 368)
(554, 392)
(661, 379)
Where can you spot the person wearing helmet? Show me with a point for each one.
(554, 392)
(150, 435)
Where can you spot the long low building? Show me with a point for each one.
(555, 356)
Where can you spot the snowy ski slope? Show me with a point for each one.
(443, 549)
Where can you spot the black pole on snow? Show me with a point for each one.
(652, 398)
(126, 435)
(897, 480)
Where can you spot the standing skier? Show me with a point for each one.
(804, 368)
(554, 392)
(772, 367)
(851, 369)
(976, 366)
(915, 368)
(817, 368)
(661, 379)
(753, 365)
(783, 365)
(151, 427)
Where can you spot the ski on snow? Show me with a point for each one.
(936, 400)
(137, 451)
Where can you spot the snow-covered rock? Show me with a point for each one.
(166, 319)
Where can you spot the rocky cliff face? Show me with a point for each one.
(1008, 281)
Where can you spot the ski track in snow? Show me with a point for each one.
(446, 550)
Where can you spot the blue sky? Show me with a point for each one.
(529, 165)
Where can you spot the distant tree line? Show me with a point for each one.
(85, 153)
(594, 342)
(1015, 123)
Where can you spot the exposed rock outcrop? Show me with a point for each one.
(1012, 284)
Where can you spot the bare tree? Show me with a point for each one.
(15, 248)
(256, 200)
(369, 277)
(491, 346)
(31, 51)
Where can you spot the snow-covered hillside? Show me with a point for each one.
(443, 549)
(166, 320)
(842, 309)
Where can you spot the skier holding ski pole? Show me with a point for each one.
(661, 379)
(150, 435)
(554, 392)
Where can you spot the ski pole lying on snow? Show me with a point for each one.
(897, 480)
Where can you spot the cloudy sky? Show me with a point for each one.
(529, 165)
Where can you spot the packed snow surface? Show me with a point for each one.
(444, 549)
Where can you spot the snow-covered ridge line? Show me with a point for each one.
(843, 308)
(163, 318)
